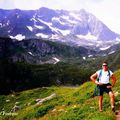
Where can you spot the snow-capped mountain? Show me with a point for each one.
(78, 28)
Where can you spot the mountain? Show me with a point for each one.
(38, 51)
(74, 28)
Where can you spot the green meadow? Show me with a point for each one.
(67, 103)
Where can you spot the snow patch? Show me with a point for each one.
(30, 28)
(39, 27)
(41, 35)
(56, 30)
(19, 37)
(84, 58)
(56, 60)
(117, 40)
(8, 22)
(77, 17)
(30, 53)
(105, 48)
(9, 31)
(72, 22)
(49, 25)
(64, 32)
(68, 20)
(111, 52)
(0, 24)
(18, 16)
(54, 36)
(65, 17)
(90, 55)
(88, 36)
(33, 19)
(58, 19)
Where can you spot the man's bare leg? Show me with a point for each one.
(100, 103)
(112, 100)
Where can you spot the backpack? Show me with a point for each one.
(97, 90)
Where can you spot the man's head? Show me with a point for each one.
(105, 66)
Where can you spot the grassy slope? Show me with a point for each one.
(69, 104)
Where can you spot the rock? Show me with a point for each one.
(17, 103)
(74, 106)
(53, 110)
(116, 93)
(37, 100)
(61, 110)
(13, 95)
(3, 112)
(15, 108)
(92, 107)
(28, 104)
(7, 100)
(45, 99)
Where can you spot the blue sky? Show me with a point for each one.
(105, 10)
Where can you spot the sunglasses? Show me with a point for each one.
(104, 65)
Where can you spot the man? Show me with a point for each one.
(104, 85)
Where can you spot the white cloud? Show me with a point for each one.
(7, 4)
(27, 4)
(108, 12)
(55, 4)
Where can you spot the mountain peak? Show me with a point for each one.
(57, 24)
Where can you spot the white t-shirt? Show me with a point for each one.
(104, 77)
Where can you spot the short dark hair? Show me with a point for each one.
(105, 62)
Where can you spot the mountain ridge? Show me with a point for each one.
(39, 51)
(80, 28)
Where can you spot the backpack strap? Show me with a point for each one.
(100, 74)
(97, 90)
(109, 74)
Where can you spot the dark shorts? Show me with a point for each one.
(103, 88)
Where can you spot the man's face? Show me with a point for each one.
(105, 66)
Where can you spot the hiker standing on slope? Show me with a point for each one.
(102, 79)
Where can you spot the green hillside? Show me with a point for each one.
(59, 103)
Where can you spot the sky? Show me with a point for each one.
(105, 10)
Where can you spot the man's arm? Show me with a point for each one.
(94, 77)
(113, 80)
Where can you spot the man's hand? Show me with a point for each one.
(109, 86)
(98, 83)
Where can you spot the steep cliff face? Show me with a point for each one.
(78, 28)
